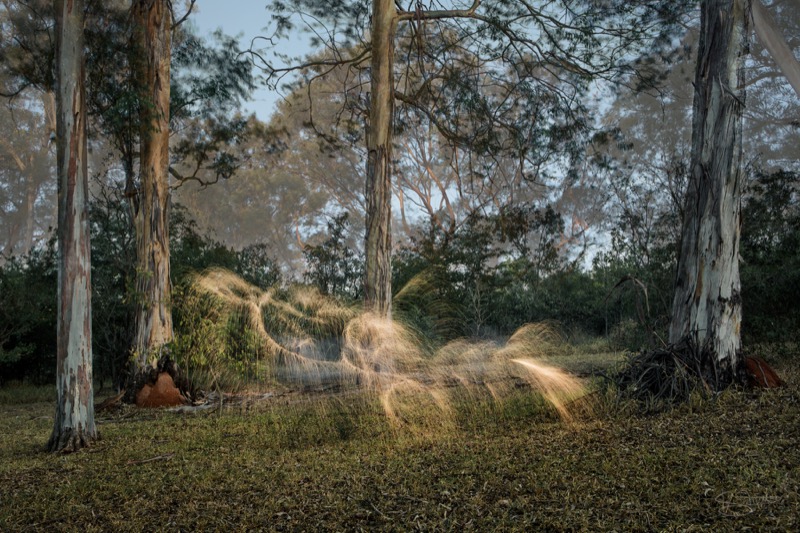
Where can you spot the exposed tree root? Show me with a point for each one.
(662, 377)
(71, 440)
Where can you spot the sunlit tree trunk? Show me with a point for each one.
(378, 248)
(151, 217)
(74, 425)
(707, 304)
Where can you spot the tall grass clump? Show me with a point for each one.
(296, 337)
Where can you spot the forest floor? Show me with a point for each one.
(335, 462)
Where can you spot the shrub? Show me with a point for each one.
(28, 317)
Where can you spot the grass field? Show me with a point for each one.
(334, 462)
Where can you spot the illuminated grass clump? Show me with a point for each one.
(309, 339)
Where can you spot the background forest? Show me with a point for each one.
(489, 265)
(583, 233)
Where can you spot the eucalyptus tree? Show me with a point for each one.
(707, 306)
(707, 302)
(74, 425)
(493, 76)
(153, 30)
(168, 85)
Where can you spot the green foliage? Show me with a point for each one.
(770, 250)
(255, 265)
(192, 252)
(28, 316)
(202, 347)
(333, 266)
(113, 284)
(215, 348)
(492, 275)
(636, 296)
(209, 79)
(28, 295)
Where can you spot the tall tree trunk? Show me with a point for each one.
(707, 304)
(151, 219)
(378, 246)
(74, 425)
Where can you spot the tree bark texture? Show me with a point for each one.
(74, 425)
(707, 303)
(151, 217)
(378, 246)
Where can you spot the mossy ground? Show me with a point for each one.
(336, 463)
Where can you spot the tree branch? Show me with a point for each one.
(193, 177)
(770, 36)
(330, 63)
(440, 14)
(176, 23)
(13, 153)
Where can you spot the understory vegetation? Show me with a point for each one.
(484, 281)
(488, 267)
(282, 454)
(335, 461)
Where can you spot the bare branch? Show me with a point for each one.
(182, 180)
(17, 159)
(439, 14)
(176, 23)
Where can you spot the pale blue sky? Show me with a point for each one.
(245, 19)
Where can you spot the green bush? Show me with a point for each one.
(28, 317)
(333, 266)
(770, 250)
(199, 347)
(28, 287)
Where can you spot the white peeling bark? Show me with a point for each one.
(707, 303)
(74, 425)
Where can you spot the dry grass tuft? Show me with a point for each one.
(315, 341)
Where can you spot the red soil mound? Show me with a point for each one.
(760, 374)
(163, 394)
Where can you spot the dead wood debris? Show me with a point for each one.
(663, 377)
